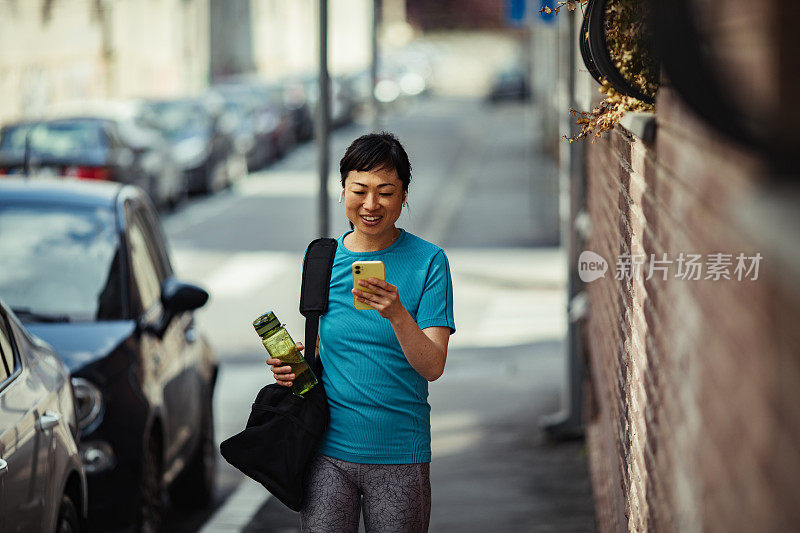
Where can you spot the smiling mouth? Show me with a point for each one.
(371, 220)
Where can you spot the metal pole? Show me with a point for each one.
(323, 119)
(26, 158)
(568, 422)
(374, 109)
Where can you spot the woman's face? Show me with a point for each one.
(373, 200)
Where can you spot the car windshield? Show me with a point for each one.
(63, 139)
(238, 107)
(60, 262)
(273, 96)
(179, 120)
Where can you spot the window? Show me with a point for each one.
(6, 352)
(157, 241)
(179, 120)
(144, 271)
(76, 139)
(60, 260)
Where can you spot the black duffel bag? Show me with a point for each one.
(283, 430)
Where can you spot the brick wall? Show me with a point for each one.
(695, 424)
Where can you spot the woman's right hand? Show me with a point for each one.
(283, 374)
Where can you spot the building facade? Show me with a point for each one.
(52, 52)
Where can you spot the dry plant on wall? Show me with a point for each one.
(626, 37)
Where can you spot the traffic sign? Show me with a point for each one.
(515, 12)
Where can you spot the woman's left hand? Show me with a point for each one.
(385, 300)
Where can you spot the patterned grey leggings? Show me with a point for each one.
(395, 498)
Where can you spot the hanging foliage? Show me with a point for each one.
(629, 63)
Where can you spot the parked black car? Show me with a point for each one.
(202, 146)
(262, 127)
(249, 134)
(299, 105)
(85, 266)
(97, 144)
(343, 97)
(42, 482)
(274, 98)
(510, 84)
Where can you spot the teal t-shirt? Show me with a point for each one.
(379, 411)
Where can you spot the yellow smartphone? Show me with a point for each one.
(364, 270)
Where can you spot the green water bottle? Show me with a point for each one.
(280, 345)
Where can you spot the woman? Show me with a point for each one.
(377, 363)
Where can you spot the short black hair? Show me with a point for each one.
(376, 151)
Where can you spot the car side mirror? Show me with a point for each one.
(177, 296)
(227, 123)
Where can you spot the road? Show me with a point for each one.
(480, 190)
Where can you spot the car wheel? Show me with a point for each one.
(174, 201)
(151, 503)
(68, 521)
(194, 488)
(236, 167)
(179, 196)
(218, 177)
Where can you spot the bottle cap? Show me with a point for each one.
(266, 322)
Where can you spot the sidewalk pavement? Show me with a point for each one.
(492, 469)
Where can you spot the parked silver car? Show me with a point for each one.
(42, 482)
(85, 267)
(99, 141)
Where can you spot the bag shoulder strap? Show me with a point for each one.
(317, 267)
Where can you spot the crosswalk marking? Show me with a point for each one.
(239, 509)
(245, 272)
(517, 300)
(285, 183)
(508, 297)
